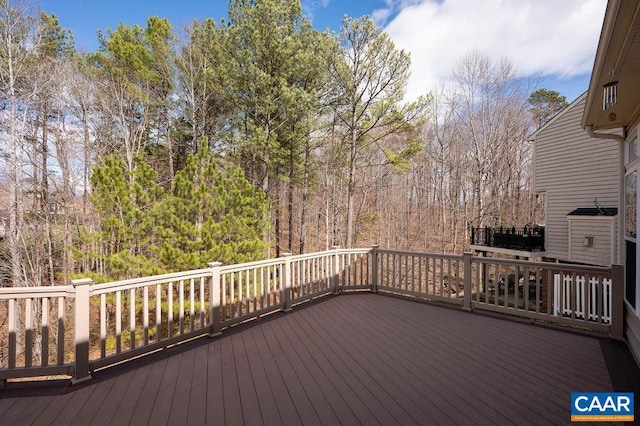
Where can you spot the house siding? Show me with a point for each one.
(602, 229)
(573, 170)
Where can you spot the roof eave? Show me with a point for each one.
(618, 20)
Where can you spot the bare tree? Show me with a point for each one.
(370, 79)
(491, 115)
(18, 40)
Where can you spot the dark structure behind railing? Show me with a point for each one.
(529, 238)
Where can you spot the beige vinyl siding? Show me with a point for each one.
(602, 229)
(572, 169)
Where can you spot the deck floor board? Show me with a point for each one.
(182, 390)
(130, 397)
(165, 391)
(103, 401)
(295, 388)
(284, 402)
(46, 415)
(78, 400)
(197, 410)
(266, 398)
(433, 354)
(147, 397)
(246, 387)
(353, 359)
(215, 402)
(333, 388)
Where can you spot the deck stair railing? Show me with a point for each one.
(76, 329)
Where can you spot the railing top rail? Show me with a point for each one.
(97, 289)
(543, 265)
(250, 265)
(31, 292)
(423, 254)
(355, 251)
(315, 255)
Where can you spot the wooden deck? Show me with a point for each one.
(353, 359)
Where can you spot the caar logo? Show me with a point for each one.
(602, 407)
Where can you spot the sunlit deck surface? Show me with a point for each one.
(355, 359)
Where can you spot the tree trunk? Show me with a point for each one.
(44, 194)
(351, 190)
(290, 189)
(305, 199)
(15, 175)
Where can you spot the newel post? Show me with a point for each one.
(214, 299)
(81, 329)
(285, 283)
(335, 269)
(466, 300)
(617, 302)
(374, 268)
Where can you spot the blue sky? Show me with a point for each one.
(85, 17)
(549, 41)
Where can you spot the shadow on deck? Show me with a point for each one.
(358, 359)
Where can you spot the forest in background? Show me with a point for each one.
(243, 139)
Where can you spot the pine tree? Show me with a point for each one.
(278, 62)
(122, 247)
(544, 104)
(212, 214)
(134, 80)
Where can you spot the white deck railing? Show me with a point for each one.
(592, 296)
(83, 327)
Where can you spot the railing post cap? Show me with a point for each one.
(214, 264)
(287, 254)
(335, 247)
(81, 282)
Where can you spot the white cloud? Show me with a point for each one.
(310, 6)
(381, 15)
(539, 37)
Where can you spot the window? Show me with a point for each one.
(630, 204)
(630, 273)
(632, 149)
